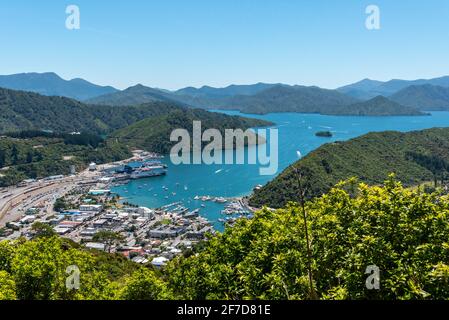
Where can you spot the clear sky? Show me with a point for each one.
(177, 43)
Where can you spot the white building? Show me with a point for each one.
(145, 212)
(91, 207)
(159, 262)
(96, 246)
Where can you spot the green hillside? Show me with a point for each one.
(378, 106)
(414, 157)
(290, 99)
(424, 97)
(50, 84)
(135, 95)
(154, 133)
(20, 110)
(43, 156)
(402, 232)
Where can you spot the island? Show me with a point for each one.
(324, 134)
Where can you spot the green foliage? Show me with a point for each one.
(414, 157)
(42, 230)
(37, 269)
(403, 232)
(145, 285)
(108, 237)
(83, 139)
(60, 205)
(7, 287)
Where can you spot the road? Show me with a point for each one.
(15, 201)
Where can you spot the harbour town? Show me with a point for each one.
(82, 207)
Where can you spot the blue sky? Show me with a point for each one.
(177, 43)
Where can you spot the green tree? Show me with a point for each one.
(42, 230)
(60, 205)
(401, 231)
(145, 285)
(7, 287)
(109, 238)
(14, 155)
(30, 156)
(2, 158)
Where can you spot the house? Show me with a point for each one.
(159, 262)
(140, 259)
(145, 212)
(61, 230)
(28, 219)
(91, 207)
(166, 232)
(99, 223)
(88, 232)
(96, 245)
(95, 192)
(199, 234)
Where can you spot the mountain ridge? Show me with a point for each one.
(51, 84)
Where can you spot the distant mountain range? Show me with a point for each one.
(378, 106)
(50, 84)
(204, 97)
(135, 95)
(424, 97)
(429, 98)
(21, 110)
(260, 98)
(283, 98)
(232, 90)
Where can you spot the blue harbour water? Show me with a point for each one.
(296, 133)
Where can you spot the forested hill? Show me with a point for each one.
(154, 133)
(414, 157)
(50, 84)
(135, 95)
(424, 97)
(283, 98)
(378, 106)
(37, 155)
(20, 110)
